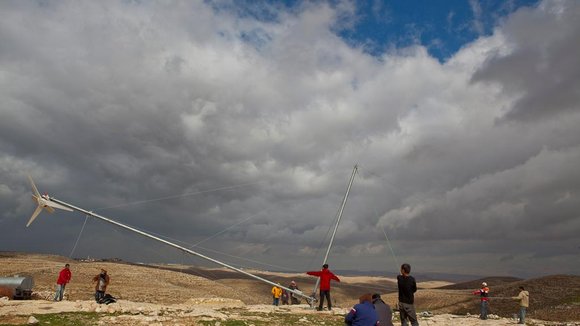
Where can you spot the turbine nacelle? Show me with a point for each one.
(43, 202)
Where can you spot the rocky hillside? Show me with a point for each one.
(553, 298)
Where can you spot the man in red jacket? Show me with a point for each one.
(325, 277)
(63, 278)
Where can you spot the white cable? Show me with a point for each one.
(178, 196)
(78, 238)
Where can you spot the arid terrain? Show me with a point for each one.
(183, 295)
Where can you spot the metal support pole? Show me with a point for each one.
(298, 293)
(354, 170)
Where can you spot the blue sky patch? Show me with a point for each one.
(443, 27)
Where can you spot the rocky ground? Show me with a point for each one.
(157, 296)
(200, 311)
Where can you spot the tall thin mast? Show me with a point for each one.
(336, 225)
(298, 293)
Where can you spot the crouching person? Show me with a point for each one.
(363, 313)
(102, 281)
(383, 311)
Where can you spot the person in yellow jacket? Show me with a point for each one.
(276, 294)
(524, 298)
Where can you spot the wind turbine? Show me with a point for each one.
(49, 203)
(43, 202)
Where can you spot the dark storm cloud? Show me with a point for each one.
(171, 118)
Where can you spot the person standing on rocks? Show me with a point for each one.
(285, 297)
(407, 288)
(484, 295)
(524, 298)
(276, 294)
(102, 281)
(383, 311)
(293, 298)
(63, 278)
(325, 277)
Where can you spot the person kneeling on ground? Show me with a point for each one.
(363, 313)
(102, 281)
(383, 311)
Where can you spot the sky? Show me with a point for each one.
(232, 127)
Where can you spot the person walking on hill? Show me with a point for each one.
(325, 277)
(383, 310)
(363, 313)
(524, 298)
(276, 294)
(63, 278)
(407, 288)
(102, 281)
(483, 292)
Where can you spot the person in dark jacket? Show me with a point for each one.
(363, 313)
(325, 277)
(293, 298)
(383, 311)
(284, 297)
(63, 278)
(407, 288)
(484, 296)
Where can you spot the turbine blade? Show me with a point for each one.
(34, 215)
(34, 190)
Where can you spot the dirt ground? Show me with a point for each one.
(154, 295)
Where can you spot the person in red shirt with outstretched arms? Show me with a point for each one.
(325, 277)
(63, 278)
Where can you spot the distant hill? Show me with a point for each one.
(555, 297)
(420, 277)
(476, 284)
